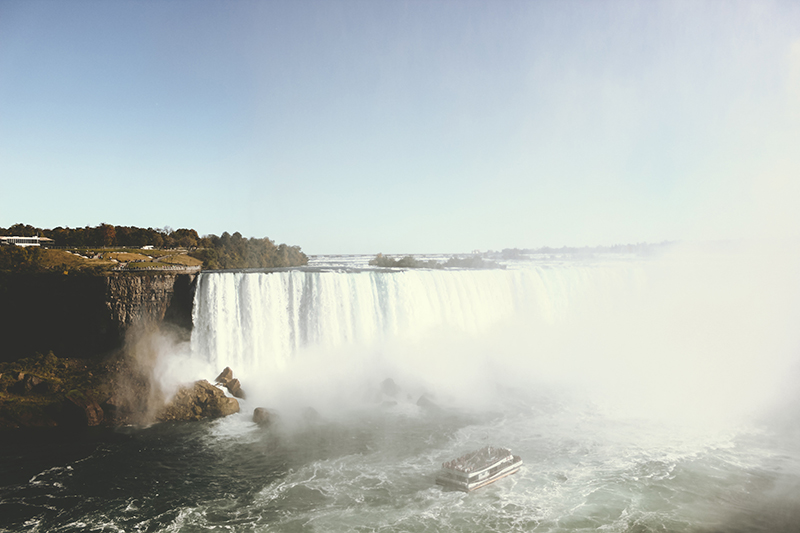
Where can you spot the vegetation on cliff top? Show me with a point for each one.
(181, 247)
(34, 259)
(235, 251)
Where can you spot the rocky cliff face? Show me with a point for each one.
(86, 316)
(135, 298)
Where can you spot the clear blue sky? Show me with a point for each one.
(438, 126)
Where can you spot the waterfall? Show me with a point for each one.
(665, 336)
(262, 320)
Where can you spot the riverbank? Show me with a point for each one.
(48, 391)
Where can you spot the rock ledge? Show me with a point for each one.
(198, 401)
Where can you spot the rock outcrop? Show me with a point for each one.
(225, 376)
(199, 401)
(227, 380)
(80, 410)
(235, 388)
(132, 298)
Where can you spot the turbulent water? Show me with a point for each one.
(653, 395)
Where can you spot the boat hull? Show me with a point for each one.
(464, 486)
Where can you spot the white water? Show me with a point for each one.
(442, 330)
(682, 338)
(250, 320)
(642, 395)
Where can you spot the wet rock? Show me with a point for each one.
(264, 417)
(235, 388)
(225, 376)
(229, 382)
(426, 403)
(389, 387)
(80, 410)
(198, 401)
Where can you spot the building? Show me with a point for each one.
(26, 241)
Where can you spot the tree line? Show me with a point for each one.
(235, 251)
(107, 235)
(409, 261)
(216, 252)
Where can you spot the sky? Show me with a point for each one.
(404, 126)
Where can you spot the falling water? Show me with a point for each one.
(252, 320)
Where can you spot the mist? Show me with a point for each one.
(695, 336)
(652, 393)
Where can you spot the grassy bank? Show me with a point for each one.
(91, 260)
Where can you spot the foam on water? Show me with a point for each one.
(374, 469)
(648, 373)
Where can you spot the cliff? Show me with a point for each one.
(86, 315)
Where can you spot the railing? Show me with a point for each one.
(112, 248)
(181, 268)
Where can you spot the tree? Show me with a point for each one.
(24, 230)
(108, 234)
(185, 238)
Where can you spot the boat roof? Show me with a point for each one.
(478, 460)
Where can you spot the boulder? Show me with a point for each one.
(264, 417)
(235, 388)
(426, 403)
(198, 401)
(225, 376)
(389, 387)
(80, 410)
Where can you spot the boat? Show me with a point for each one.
(479, 468)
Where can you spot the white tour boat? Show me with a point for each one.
(479, 468)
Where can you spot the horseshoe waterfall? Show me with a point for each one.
(643, 395)
(258, 322)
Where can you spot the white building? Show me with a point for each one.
(25, 241)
